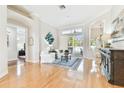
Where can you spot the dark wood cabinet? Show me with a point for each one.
(112, 65)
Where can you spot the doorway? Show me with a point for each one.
(96, 33)
(75, 41)
(21, 44)
(16, 43)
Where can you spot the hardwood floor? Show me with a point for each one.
(30, 75)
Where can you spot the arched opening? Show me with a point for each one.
(17, 37)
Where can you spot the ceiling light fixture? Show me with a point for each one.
(62, 7)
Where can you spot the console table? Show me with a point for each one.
(112, 65)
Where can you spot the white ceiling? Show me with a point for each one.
(73, 14)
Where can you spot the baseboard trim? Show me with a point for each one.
(3, 74)
(33, 61)
(12, 60)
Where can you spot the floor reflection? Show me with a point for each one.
(94, 66)
(81, 67)
(26, 74)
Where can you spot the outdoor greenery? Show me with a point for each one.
(74, 42)
(93, 42)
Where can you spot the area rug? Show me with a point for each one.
(72, 64)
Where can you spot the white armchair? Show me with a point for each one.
(47, 57)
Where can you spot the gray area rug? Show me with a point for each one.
(72, 64)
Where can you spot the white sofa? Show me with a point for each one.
(47, 57)
(58, 53)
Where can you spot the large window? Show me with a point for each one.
(75, 36)
(76, 40)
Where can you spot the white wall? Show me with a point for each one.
(3, 41)
(116, 9)
(12, 47)
(63, 41)
(115, 13)
(44, 30)
(34, 33)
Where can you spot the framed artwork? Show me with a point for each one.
(49, 38)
